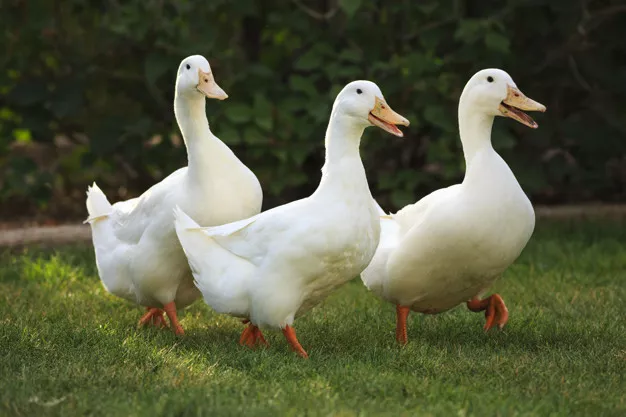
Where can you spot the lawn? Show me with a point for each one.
(69, 348)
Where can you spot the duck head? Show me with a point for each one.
(364, 103)
(494, 92)
(195, 78)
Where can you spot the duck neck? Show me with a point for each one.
(475, 131)
(200, 142)
(343, 166)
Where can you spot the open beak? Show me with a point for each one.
(385, 118)
(515, 102)
(208, 86)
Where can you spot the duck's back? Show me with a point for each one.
(289, 236)
(132, 219)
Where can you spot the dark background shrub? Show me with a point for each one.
(86, 91)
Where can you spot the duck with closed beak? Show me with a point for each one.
(138, 254)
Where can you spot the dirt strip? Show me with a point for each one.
(68, 233)
(81, 233)
(581, 211)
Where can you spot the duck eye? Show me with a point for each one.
(490, 79)
(358, 91)
(188, 66)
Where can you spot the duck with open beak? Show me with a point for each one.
(384, 117)
(208, 86)
(515, 102)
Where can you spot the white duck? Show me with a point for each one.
(454, 243)
(272, 267)
(138, 254)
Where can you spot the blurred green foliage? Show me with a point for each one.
(86, 91)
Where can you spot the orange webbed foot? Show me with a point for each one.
(252, 336)
(147, 318)
(159, 320)
(153, 317)
(290, 335)
(496, 312)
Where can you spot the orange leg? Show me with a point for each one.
(402, 313)
(170, 310)
(251, 336)
(290, 335)
(494, 308)
(154, 317)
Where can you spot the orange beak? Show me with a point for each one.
(515, 102)
(208, 86)
(385, 118)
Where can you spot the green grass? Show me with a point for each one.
(69, 348)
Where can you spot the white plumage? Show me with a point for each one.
(453, 244)
(278, 264)
(138, 254)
